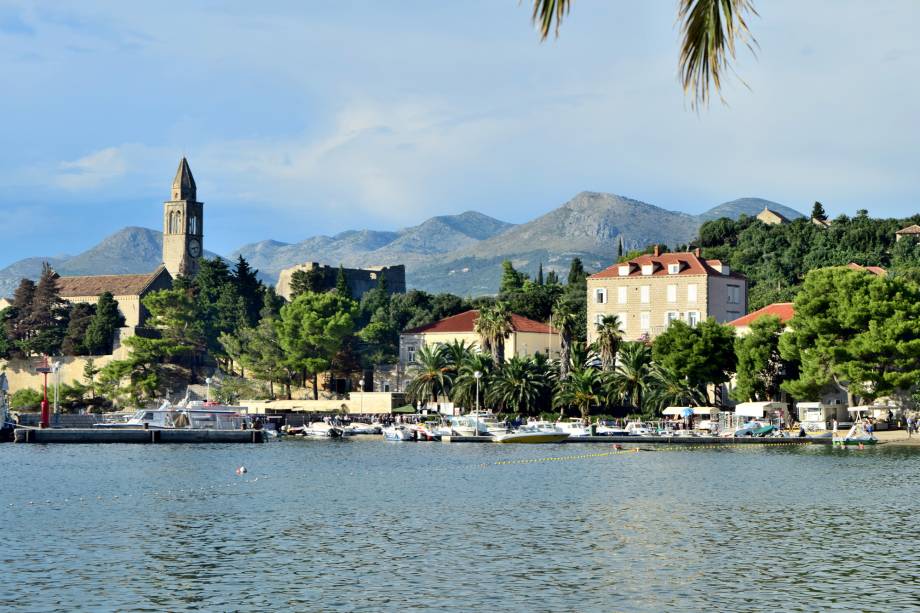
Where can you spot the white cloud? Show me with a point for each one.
(92, 170)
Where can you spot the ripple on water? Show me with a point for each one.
(365, 525)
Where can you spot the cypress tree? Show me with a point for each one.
(620, 247)
(75, 338)
(577, 273)
(341, 283)
(100, 334)
(540, 274)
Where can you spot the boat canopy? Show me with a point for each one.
(813, 405)
(759, 409)
(696, 410)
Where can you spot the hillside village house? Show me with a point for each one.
(911, 231)
(128, 290)
(647, 293)
(771, 217)
(528, 338)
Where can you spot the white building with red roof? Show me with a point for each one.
(528, 337)
(647, 293)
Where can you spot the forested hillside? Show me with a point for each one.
(775, 258)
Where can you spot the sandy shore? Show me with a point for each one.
(897, 437)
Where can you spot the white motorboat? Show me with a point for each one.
(477, 423)
(574, 427)
(610, 429)
(530, 435)
(358, 427)
(321, 429)
(194, 415)
(638, 428)
(399, 432)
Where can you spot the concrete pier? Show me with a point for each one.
(134, 435)
(666, 440)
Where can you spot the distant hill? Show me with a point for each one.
(461, 253)
(750, 207)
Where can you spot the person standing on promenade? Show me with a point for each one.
(910, 426)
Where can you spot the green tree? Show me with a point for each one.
(669, 388)
(582, 389)
(817, 212)
(463, 386)
(760, 366)
(341, 283)
(631, 374)
(303, 281)
(702, 355)
(855, 329)
(431, 376)
(26, 399)
(311, 330)
(16, 318)
(493, 325)
(89, 376)
(107, 319)
(250, 290)
(81, 315)
(609, 337)
(517, 386)
(511, 280)
(48, 317)
(540, 274)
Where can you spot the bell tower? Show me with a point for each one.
(183, 231)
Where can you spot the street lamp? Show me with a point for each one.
(208, 395)
(477, 375)
(361, 386)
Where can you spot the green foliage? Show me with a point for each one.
(494, 326)
(518, 386)
(81, 315)
(303, 281)
(582, 389)
(250, 290)
(817, 212)
(26, 400)
(341, 283)
(670, 388)
(431, 376)
(609, 336)
(511, 280)
(631, 375)
(231, 390)
(100, 333)
(856, 329)
(701, 355)
(43, 325)
(760, 365)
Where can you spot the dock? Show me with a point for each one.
(134, 436)
(666, 440)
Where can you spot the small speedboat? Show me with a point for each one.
(610, 429)
(358, 427)
(321, 429)
(398, 432)
(574, 427)
(531, 436)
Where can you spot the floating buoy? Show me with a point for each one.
(241, 470)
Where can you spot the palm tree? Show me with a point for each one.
(457, 352)
(517, 386)
(432, 374)
(463, 390)
(631, 374)
(609, 337)
(582, 389)
(710, 30)
(667, 388)
(566, 323)
(493, 325)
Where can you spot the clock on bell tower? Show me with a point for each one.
(183, 230)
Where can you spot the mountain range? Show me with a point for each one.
(461, 253)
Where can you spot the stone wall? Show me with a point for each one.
(21, 373)
(359, 280)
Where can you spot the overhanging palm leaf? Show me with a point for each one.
(709, 29)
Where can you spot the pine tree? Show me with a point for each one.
(511, 280)
(303, 281)
(341, 283)
(817, 212)
(81, 315)
(48, 317)
(100, 334)
(15, 321)
(249, 288)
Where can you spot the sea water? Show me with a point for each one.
(366, 525)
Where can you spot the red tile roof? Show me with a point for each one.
(691, 264)
(466, 322)
(117, 285)
(783, 310)
(914, 229)
(875, 270)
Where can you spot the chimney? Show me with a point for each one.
(696, 252)
(656, 250)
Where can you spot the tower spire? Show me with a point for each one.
(183, 187)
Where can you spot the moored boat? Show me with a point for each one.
(531, 436)
(399, 432)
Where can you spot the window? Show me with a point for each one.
(670, 316)
(734, 294)
(691, 292)
(648, 269)
(693, 318)
(621, 294)
(623, 317)
(673, 269)
(645, 320)
(672, 293)
(410, 354)
(600, 295)
(644, 292)
(193, 225)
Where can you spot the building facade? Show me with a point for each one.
(528, 337)
(771, 217)
(359, 280)
(128, 290)
(647, 293)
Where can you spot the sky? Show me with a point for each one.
(303, 117)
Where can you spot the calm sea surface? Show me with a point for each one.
(368, 525)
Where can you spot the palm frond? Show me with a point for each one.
(546, 12)
(710, 29)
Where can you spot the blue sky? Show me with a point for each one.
(303, 118)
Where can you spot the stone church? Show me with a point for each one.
(183, 236)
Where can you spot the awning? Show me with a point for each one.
(679, 411)
(811, 405)
(758, 409)
(407, 408)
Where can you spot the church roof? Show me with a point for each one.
(117, 285)
(184, 187)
